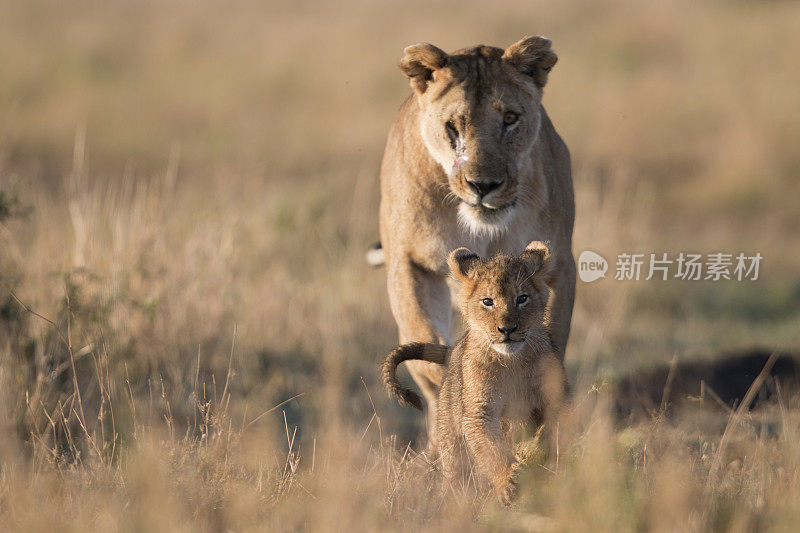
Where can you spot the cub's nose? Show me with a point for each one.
(507, 330)
(482, 188)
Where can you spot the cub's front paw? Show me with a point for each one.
(507, 493)
(527, 452)
(507, 490)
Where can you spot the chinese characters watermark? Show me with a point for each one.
(663, 266)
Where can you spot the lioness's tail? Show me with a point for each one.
(433, 353)
(375, 255)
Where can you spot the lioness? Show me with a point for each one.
(472, 160)
(505, 370)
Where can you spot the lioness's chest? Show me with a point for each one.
(512, 241)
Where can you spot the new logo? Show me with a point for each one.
(591, 266)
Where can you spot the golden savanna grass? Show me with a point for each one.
(186, 193)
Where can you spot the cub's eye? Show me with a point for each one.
(509, 117)
(488, 302)
(522, 298)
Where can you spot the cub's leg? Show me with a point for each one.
(448, 457)
(447, 432)
(492, 453)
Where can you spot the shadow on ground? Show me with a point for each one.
(724, 380)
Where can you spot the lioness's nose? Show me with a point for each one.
(482, 188)
(507, 330)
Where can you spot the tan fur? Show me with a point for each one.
(493, 380)
(428, 208)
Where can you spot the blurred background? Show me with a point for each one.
(187, 190)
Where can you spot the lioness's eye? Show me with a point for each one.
(452, 132)
(488, 302)
(521, 299)
(510, 117)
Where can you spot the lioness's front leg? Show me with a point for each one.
(562, 298)
(420, 301)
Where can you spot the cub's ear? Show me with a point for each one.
(537, 255)
(462, 263)
(533, 57)
(419, 63)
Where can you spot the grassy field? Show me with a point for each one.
(189, 335)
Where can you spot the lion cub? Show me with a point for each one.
(504, 371)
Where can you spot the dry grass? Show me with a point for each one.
(202, 183)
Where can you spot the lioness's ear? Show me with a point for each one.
(419, 63)
(533, 57)
(462, 263)
(537, 255)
